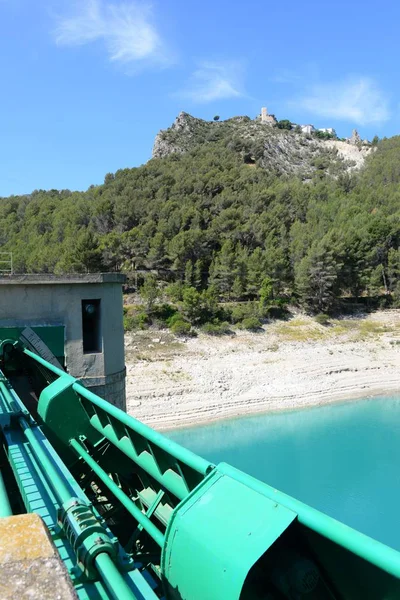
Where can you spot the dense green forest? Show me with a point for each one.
(212, 222)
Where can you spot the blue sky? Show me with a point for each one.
(86, 85)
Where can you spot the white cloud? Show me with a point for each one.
(356, 99)
(286, 76)
(214, 81)
(126, 30)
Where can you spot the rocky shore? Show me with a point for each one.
(178, 383)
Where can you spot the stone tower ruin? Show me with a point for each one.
(266, 118)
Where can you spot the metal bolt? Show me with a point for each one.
(99, 540)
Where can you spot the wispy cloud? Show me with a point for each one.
(126, 30)
(214, 81)
(285, 76)
(356, 99)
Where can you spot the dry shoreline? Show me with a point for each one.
(292, 365)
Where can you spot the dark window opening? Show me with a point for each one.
(91, 326)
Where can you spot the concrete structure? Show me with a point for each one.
(307, 129)
(86, 310)
(30, 566)
(329, 130)
(266, 118)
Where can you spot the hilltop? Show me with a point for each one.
(280, 150)
(230, 211)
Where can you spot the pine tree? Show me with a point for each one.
(237, 289)
(393, 269)
(149, 291)
(255, 271)
(266, 293)
(189, 273)
(223, 269)
(198, 275)
(317, 279)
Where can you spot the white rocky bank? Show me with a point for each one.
(206, 378)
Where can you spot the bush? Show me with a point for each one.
(216, 328)
(164, 313)
(242, 311)
(322, 319)
(174, 291)
(251, 324)
(396, 296)
(181, 327)
(174, 318)
(138, 321)
(275, 312)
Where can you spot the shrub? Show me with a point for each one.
(322, 319)
(174, 291)
(164, 312)
(138, 321)
(216, 328)
(251, 324)
(396, 296)
(174, 318)
(181, 327)
(242, 311)
(275, 312)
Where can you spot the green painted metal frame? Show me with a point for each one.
(130, 506)
(5, 507)
(46, 485)
(53, 336)
(183, 475)
(371, 550)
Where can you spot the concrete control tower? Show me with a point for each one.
(79, 318)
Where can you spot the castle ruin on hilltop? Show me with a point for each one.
(266, 118)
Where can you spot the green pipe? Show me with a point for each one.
(6, 396)
(56, 482)
(193, 461)
(13, 404)
(371, 550)
(113, 579)
(5, 508)
(44, 362)
(169, 479)
(118, 493)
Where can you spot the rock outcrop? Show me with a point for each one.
(355, 138)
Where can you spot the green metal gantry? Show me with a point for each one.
(133, 515)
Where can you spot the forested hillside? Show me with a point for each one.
(215, 218)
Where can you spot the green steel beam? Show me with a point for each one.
(187, 457)
(12, 404)
(113, 579)
(5, 508)
(371, 550)
(169, 479)
(55, 480)
(43, 362)
(119, 494)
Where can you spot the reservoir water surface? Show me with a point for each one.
(343, 459)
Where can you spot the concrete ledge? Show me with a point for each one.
(49, 279)
(30, 567)
(103, 380)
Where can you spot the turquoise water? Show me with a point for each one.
(342, 459)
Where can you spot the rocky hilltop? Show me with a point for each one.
(289, 152)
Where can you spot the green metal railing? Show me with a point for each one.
(130, 506)
(371, 550)
(166, 467)
(109, 573)
(177, 469)
(5, 508)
